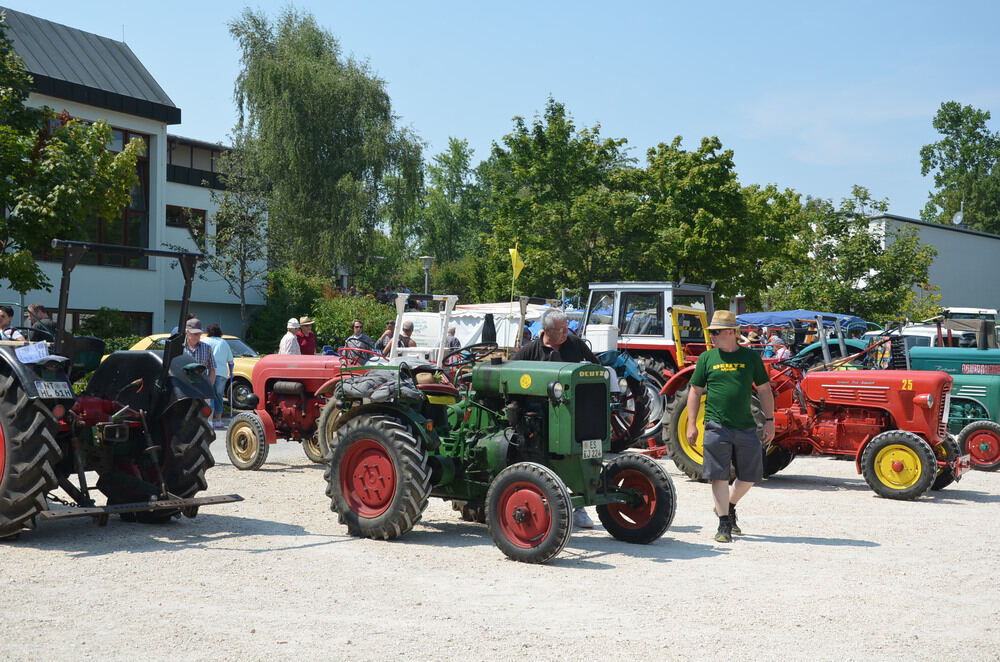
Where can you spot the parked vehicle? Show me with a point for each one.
(662, 325)
(141, 424)
(244, 359)
(515, 443)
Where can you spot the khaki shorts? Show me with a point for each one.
(724, 447)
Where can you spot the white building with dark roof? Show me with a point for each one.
(93, 78)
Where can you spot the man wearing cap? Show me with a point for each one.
(725, 375)
(289, 342)
(201, 352)
(305, 337)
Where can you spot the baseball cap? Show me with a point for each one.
(193, 325)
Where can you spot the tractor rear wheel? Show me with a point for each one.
(529, 512)
(948, 451)
(28, 453)
(628, 421)
(686, 456)
(315, 448)
(898, 465)
(245, 442)
(776, 458)
(182, 436)
(378, 478)
(652, 501)
(654, 382)
(981, 440)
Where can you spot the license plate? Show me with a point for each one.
(54, 389)
(592, 448)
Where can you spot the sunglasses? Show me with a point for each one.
(715, 332)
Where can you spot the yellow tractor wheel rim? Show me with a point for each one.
(696, 451)
(245, 443)
(898, 466)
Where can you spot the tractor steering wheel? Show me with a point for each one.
(468, 355)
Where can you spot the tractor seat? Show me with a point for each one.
(439, 389)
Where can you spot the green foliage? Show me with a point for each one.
(105, 323)
(964, 166)
(289, 294)
(118, 343)
(57, 174)
(451, 221)
(856, 267)
(324, 140)
(333, 317)
(923, 302)
(550, 185)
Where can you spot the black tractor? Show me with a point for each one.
(141, 424)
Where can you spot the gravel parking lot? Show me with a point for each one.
(826, 571)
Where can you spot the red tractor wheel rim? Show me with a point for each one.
(524, 515)
(638, 515)
(368, 478)
(983, 446)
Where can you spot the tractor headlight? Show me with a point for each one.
(925, 400)
(623, 384)
(556, 392)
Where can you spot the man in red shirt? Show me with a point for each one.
(305, 337)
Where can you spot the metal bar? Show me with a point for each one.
(134, 251)
(142, 506)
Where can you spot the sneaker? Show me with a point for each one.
(219, 425)
(725, 532)
(581, 520)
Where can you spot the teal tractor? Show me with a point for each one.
(518, 444)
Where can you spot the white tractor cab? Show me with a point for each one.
(662, 325)
(957, 313)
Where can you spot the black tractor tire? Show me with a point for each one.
(898, 465)
(981, 440)
(776, 458)
(653, 500)
(948, 451)
(688, 458)
(28, 455)
(657, 404)
(183, 436)
(628, 423)
(245, 442)
(315, 449)
(529, 512)
(379, 477)
(326, 432)
(241, 390)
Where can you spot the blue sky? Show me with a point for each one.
(809, 95)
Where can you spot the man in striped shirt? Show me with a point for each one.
(201, 352)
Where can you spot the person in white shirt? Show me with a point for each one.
(7, 333)
(290, 342)
(778, 347)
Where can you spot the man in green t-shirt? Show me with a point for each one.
(727, 374)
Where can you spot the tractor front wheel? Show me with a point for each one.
(981, 440)
(650, 499)
(628, 420)
(326, 429)
(378, 478)
(529, 512)
(898, 465)
(776, 458)
(688, 457)
(245, 442)
(28, 453)
(948, 451)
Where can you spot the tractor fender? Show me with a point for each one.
(270, 433)
(328, 386)
(416, 422)
(677, 381)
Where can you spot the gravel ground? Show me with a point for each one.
(826, 571)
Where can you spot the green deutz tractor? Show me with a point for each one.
(518, 444)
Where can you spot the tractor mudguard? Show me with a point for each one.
(623, 364)
(270, 432)
(328, 386)
(27, 374)
(130, 378)
(678, 381)
(416, 421)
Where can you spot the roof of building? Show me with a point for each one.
(936, 226)
(79, 66)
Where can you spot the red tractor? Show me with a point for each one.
(892, 423)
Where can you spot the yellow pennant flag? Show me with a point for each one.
(516, 261)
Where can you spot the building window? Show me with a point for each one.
(139, 323)
(186, 217)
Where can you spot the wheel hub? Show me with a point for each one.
(897, 466)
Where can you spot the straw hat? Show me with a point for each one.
(723, 319)
(753, 336)
(305, 321)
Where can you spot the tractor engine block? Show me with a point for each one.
(292, 409)
(838, 430)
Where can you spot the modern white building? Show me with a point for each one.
(93, 78)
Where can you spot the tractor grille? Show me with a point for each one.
(943, 411)
(868, 394)
(591, 411)
(973, 391)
